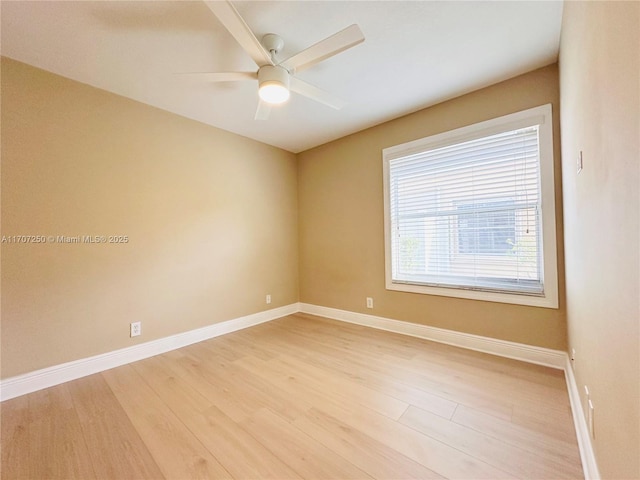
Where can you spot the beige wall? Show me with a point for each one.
(341, 220)
(211, 219)
(600, 85)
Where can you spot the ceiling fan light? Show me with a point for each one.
(273, 92)
(274, 84)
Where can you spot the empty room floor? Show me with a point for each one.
(299, 397)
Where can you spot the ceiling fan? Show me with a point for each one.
(276, 79)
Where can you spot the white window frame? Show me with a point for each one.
(541, 116)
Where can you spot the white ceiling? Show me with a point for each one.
(416, 54)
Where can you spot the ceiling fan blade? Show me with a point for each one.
(231, 19)
(315, 93)
(221, 76)
(330, 46)
(263, 111)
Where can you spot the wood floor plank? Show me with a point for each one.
(451, 388)
(429, 380)
(479, 370)
(237, 450)
(310, 386)
(496, 382)
(53, 417)
(368, 454)
(290, 384)
(244, 342)
(545, 421)
(366, 397)
(362, 370)
(535, 442)
(114, 446)
(376, 342)
(178, 453)
(190, 370)
(432, 454)
(308, 457)
(373, 378)
(14, 434)
(220, 345)
(245, 388)
(429, 452)
(519, 462)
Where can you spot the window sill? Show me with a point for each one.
(545, 301)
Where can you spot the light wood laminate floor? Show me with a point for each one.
(299, 397)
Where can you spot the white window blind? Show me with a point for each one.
(468, 215)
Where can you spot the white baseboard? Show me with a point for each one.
(48, 377)
(587, 455)
(502, 348)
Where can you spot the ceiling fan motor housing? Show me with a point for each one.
(270, 74)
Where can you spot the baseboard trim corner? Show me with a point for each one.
(48, 377)
(587, 454)
(516, 351)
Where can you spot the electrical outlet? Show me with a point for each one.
(268, 299)
(369, 302)
(136, 329)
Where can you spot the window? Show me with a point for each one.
(487, 227)
(471, 213)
